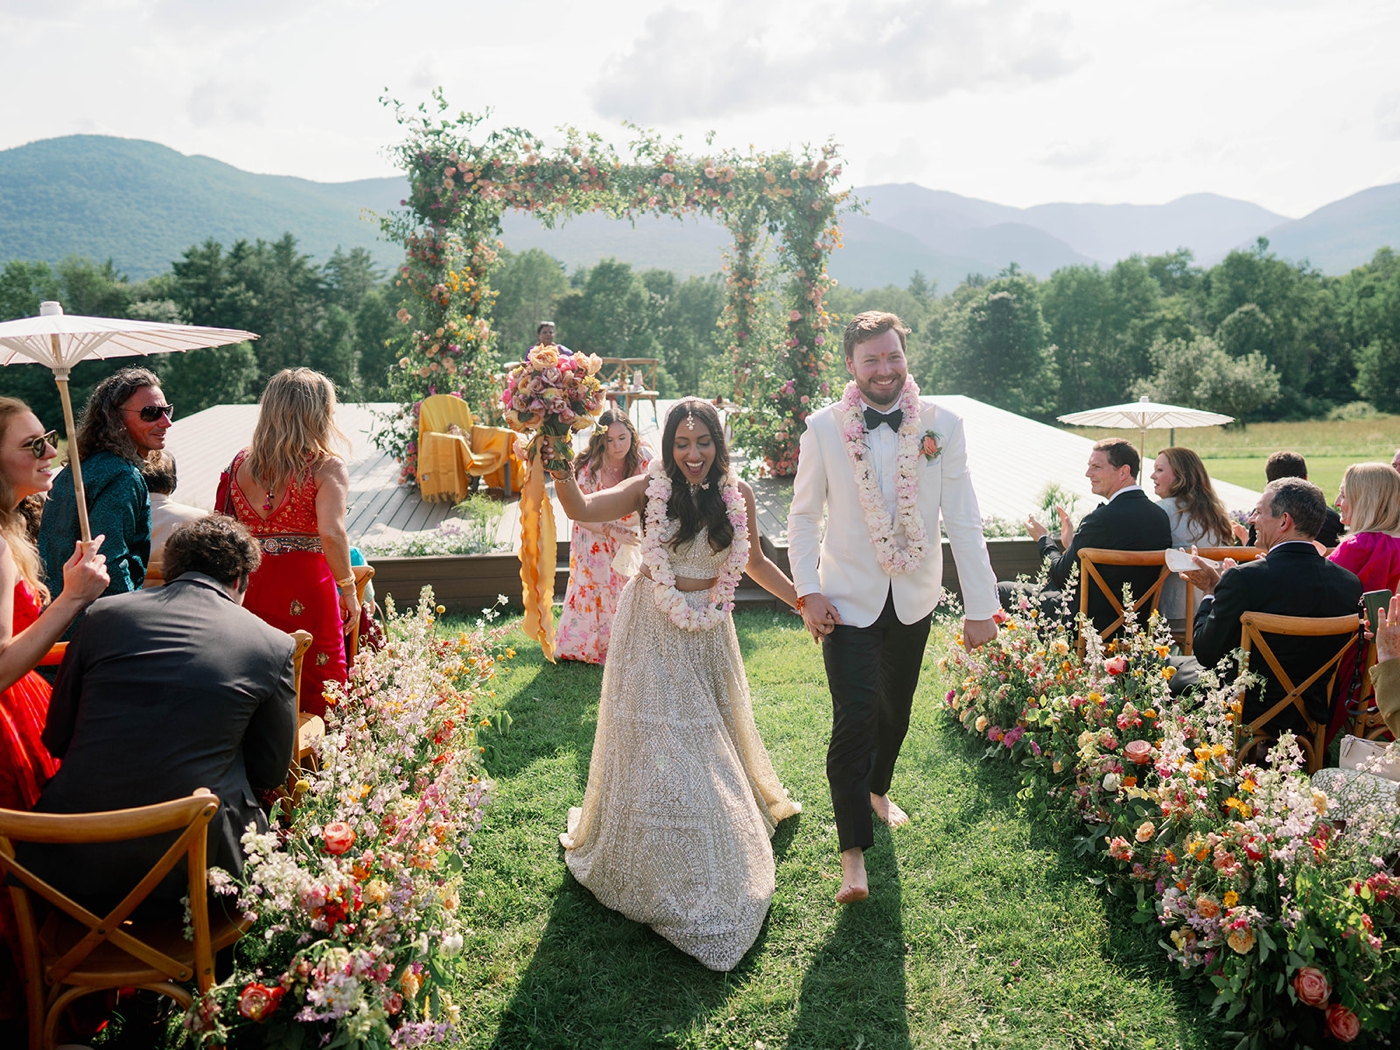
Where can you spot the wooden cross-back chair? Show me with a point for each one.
(363, 574)
(1253, 628)
(310, 728)
(1090, 558)
(69, 951)
(1367, 721)
(1239, 554)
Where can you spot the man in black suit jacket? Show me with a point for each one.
(1293, 579)
(1129, 521)
(164, 691)
(1291, 465)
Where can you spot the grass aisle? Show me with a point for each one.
(981, 929)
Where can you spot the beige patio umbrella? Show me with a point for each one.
(1145, 415)
(60, 341)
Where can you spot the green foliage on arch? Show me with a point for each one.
(463, 179)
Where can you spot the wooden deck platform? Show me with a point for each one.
(381, 511)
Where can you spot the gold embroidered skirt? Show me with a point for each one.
(682, 798)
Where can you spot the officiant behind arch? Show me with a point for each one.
(880, 466)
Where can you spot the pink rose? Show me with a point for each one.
(1312, 987)
(1139, 752)
(929, 446)
(1342, 1023)
(339, 837)
(1117, 665)
(258, 1002)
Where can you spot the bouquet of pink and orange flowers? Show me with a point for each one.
(551, 395)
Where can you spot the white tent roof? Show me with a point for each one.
(1013, 459)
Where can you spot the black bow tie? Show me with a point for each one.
(873, 419)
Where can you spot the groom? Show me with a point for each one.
(878, 466)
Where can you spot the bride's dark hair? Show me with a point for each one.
(706, 507)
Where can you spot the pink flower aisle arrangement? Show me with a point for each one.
(550, 395)
(1291, 923)
(357, 901)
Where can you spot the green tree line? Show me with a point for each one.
(1254, 336)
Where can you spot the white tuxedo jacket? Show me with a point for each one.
(842, 564)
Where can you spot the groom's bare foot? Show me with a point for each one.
(854, 886)
(887, 811)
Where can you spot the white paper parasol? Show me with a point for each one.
(60, 341)
(1145, 415)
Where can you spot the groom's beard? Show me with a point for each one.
(875, 400)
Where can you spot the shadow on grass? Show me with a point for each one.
(854, 992)
(1129, 945)
(598, 979)
(553, 709)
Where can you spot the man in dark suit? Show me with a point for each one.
(1291, 465)
(1292, 579)
(164, 691)
(1129, 521)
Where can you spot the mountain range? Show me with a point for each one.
(142, 204)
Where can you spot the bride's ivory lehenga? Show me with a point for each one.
(681, 798)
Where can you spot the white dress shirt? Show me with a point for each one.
(883, 443)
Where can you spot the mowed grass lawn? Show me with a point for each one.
(1238, 456)
(982, 928)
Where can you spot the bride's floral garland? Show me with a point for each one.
(659, 531)
(896, 561)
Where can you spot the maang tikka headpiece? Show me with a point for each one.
(690, 428)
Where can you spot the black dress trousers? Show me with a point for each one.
(873, 672)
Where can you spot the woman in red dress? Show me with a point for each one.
(27, 629)
(289, 487)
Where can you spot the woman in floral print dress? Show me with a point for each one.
(614, 453)
(289, 487)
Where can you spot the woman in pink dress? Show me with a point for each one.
(614, 453)
(1369, 505)
(289, 487)
(27, 628)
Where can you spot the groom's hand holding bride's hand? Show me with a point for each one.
(978, 632)
(819, 615)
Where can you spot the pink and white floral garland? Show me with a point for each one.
(659, 531)
(896, 561)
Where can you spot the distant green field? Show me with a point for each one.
(1238, 456)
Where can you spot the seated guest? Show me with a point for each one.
(124, 422)
(1292, 465)
(1369, 504)
(1129, 521)
(1395, 461)
(1197, 516)
(1292, 579)
(165, 512)
(164, 691)
(1349, 789)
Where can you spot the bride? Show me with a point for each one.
(681, 798)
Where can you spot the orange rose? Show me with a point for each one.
(1312, 987)
(258, 1002)
(1342, 1023)
(339, 837)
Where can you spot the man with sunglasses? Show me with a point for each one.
(123, 426)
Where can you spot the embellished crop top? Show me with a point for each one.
(695, 560)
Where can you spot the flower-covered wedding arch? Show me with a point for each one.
(461, 181)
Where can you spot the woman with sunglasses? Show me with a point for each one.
(123, 424)
(26, 633)
(289, 486)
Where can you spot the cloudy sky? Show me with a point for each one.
(1288, 103)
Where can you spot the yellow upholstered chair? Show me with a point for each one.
(446, 460)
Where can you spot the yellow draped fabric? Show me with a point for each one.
(538, 556)
(447, 461)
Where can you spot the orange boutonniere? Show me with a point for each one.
(930, 446)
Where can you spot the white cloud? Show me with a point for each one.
(217, 102)
(1388, 116)
(688, 65)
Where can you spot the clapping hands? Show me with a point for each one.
(1388, 631)
(1037, 530)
